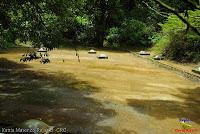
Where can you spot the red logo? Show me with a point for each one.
(186, 130)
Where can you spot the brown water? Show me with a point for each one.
(26, 94)
(122, 95)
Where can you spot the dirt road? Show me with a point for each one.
(121, 95)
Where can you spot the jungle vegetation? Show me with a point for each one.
(170, 27)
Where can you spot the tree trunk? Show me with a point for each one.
(100, 23)
(100, 35)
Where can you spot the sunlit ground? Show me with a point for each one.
(123, 94)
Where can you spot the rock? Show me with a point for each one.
(92, 51)
(144, 53)
(102, 56)
(196, 70)
(158, 57)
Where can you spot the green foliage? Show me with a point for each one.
(7, 38)
(132, 33)
(135, 32)
(83, 20)
(117, 22)
(51, 23)
(176, 42)
(113, 37)
(160, 41)
(174, 24)
(183, 48)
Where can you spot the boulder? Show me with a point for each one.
(92, 51)
(102, 56)
(144, 53)
(196, 70)
(158, 57)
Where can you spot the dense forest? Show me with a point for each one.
(170, 27)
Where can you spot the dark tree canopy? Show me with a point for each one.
(53, 22)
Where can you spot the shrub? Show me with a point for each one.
(134, 32)
(113, 37)
(161, 41)
(177, 43)
(183, 48)
(131, 32)
(6, 39)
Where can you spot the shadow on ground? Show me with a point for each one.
(58, 99)
(162, 109)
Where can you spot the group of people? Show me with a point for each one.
(29, 56)
(33, 56)
(44, 58)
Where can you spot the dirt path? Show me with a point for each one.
(131, 96)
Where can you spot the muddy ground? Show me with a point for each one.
(121, 95)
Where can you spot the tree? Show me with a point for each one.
(174, 11)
